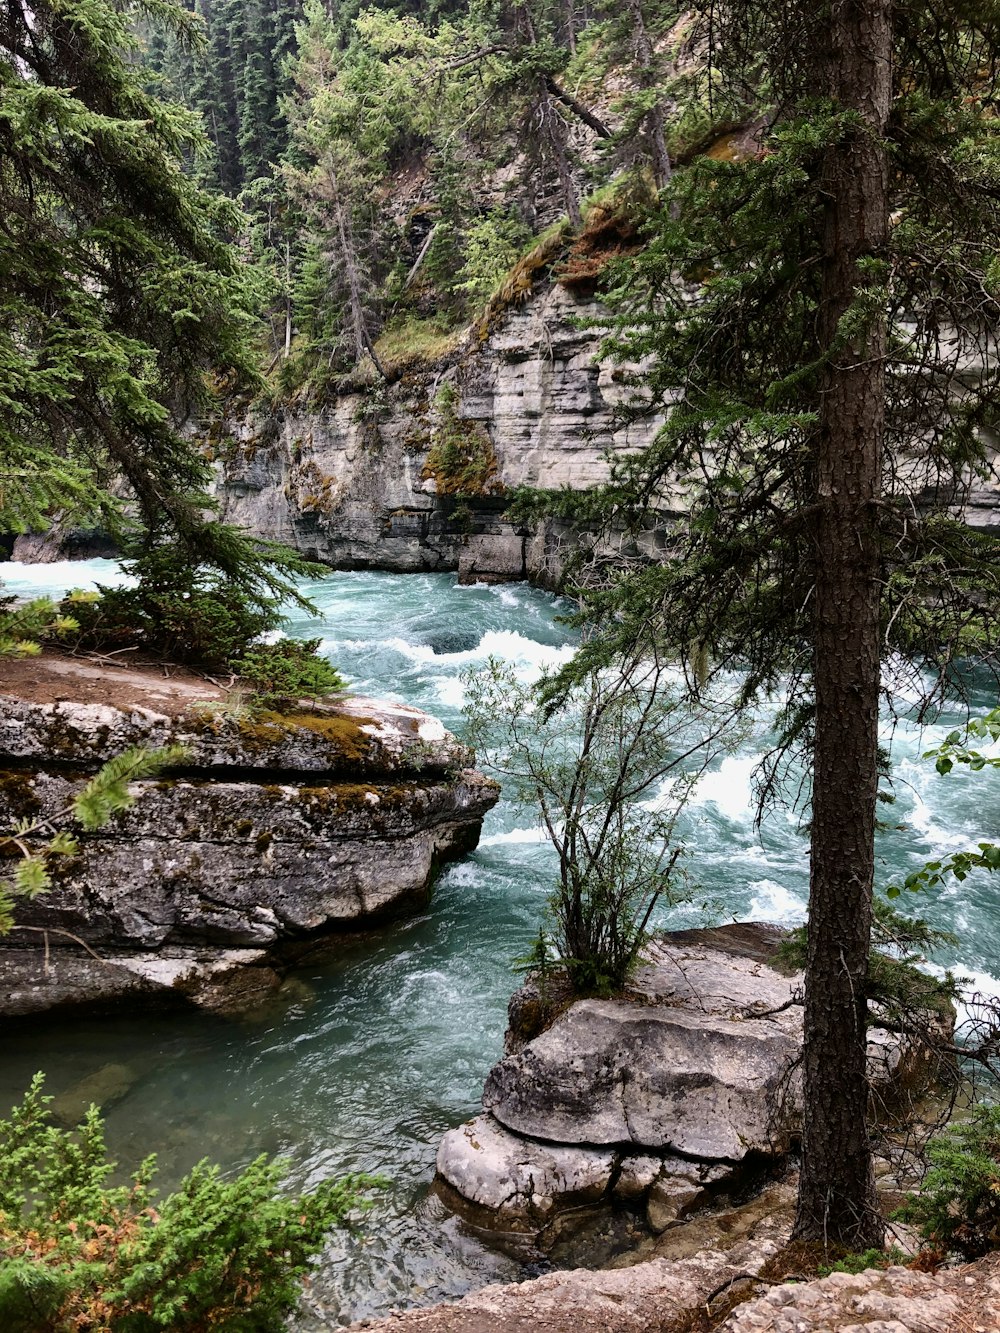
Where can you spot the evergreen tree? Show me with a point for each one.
(819, 315)
(120, 289)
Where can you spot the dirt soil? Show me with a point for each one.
(95, 678)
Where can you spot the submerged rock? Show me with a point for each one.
(102, 1088)
(272, 831)
(678, 1090)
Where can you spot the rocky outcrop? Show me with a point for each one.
(363, 481)
(893, 1300)
(267, 834)
(659, 1295)
(666, 1098)
(679, 1296)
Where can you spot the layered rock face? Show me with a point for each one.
(270, 833)
(670, 1096)
(371, 478)
(361, 482)
(364, 481)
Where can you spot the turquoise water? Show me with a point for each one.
(374, 1055)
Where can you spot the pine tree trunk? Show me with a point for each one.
(348, 257)
(645, 58)
(288, 299)
(837, 1201)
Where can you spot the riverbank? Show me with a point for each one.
(367, 1058)
(268, 832)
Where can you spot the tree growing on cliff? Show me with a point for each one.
(821, 314)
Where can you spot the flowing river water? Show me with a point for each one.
(371, 1057)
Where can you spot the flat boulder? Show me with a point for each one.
(677, 1091)
(679, 1065)
(516, 1180)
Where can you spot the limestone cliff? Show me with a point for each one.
(415, 476)
(271, 833)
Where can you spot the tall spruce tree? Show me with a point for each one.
(120, 290)
(820, 315)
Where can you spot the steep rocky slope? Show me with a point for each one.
(416, 476)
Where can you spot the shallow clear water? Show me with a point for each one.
(375, 1054)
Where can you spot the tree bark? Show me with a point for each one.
(837, 1201)
(645, 58)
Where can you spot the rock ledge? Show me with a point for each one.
(270, 834)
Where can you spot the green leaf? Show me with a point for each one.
(31, 877)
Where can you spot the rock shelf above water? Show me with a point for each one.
(274, 832)
(665, 1098)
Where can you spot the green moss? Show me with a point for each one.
(344, 796)
(264, 731)
(410, 342)
(461, 460)
(263, 841)
(344, 733)
(16, 790)
(520, 282)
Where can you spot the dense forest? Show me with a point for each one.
(789, 218)
(394, 164)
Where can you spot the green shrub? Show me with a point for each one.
(78, 1254)
(186, 611)
(461, 460)
(858, 1263)
(180, 609)
(281, 673)
(24, 626)
(958, 1207)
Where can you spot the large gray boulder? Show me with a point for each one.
(677, 1091)
(680, 1065)
(649, 1077)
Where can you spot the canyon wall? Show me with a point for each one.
(373, 478)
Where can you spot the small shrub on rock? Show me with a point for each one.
(179, 609)
(279, 674)
(183, 610)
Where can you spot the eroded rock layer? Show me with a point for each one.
(267, 834)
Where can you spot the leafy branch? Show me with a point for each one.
(954, 749)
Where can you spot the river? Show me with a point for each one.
(373, 1056)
